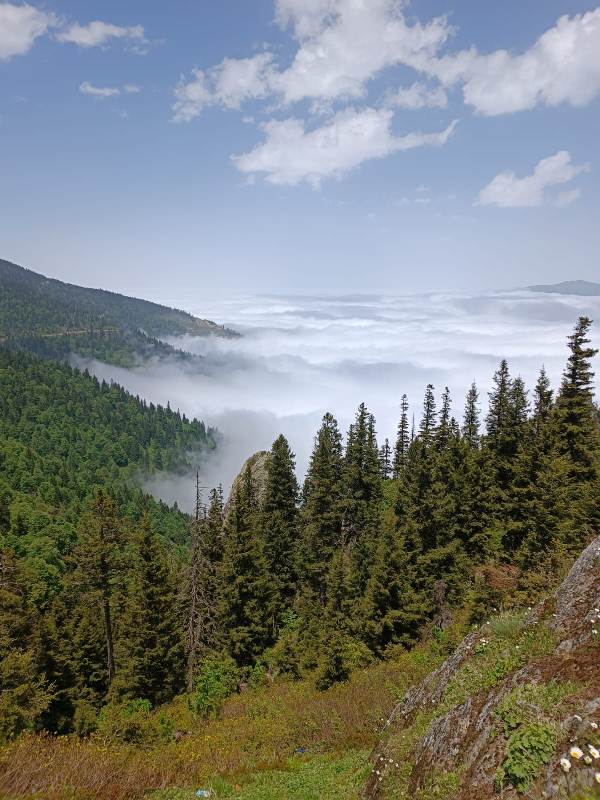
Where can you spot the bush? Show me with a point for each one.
(217, 679)
(134, 722)
(528, 749)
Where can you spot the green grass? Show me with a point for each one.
(317, 778)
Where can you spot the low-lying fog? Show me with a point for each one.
(299, 357)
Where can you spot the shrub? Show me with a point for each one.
(217, 679)
(132, 722)
(529, 748)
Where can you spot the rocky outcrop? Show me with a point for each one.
(258, 470)
(465, 740)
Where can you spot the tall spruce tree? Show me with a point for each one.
(543, 401)
(322, 508)
(498, 418)
(100, 565)
(150, 651)
(279, 525)
(247, 591)
(200, 589)
(428, 424)
(576, 418)
(403, 440)
(444, 428)
(471, 423)
(385, 459)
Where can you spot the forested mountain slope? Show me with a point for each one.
(53, 319)
(63, 435)
(33, 304)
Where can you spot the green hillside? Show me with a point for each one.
(31, 304)
(63, 434)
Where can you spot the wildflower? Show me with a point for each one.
(597, 777)
(594, 725)
(595, 632)
(577, 718)
(565, 764)
(576, 752)
(593, 752)
(587, 759)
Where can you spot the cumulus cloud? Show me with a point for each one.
(417, 96)
(562, 66)
(232, 82)
(342, 45)
(99, 34)
(506, 190)
(345, 44)
(102, 92)
(291, 154)
(20, 26)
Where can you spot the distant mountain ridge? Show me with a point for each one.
(583, 288)
(32, 304)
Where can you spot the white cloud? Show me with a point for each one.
(191, 97)
(564, 199)
(98, 34)
(508, 191)
(416, 96)
(306, 16)
(290, 154)
(346, 43)
(562, 66)
(102, 92)
(230, 83)
(20, 26)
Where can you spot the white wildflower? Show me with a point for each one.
(594, 725)
(587, 759)
(597, 777)
(576, 752)
(565, 764)
(593, 751)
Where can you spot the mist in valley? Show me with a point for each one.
(301, 356)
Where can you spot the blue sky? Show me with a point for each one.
(190, 148)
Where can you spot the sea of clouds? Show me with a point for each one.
(301, 356)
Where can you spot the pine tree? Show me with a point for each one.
(100, 566)
(322, 510)
(499, 405)
(246, 587)
(362, 493)
(336, 639)
(279, 525)
(151, 656)
(444, 428)
(390, 612)
(471, 422)
(576, 419)
(403, 440)
(25, 694)
(385, 459)
(427, 427)
(543, 400)
(200, 590)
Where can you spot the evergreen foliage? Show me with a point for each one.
(100, 587)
